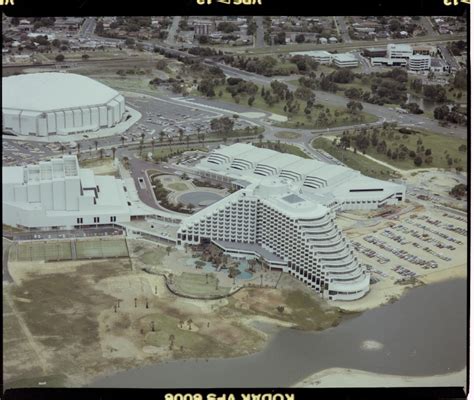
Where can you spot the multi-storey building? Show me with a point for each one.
(419, 62)
(285, 213)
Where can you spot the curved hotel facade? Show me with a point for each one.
(285, 213)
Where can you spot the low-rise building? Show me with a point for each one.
(375, 52)
(58, 193)
(321, 56)
(388, 62)
(345, 60)
(399, 50)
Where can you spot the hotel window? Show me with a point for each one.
(113, 219)
(79, 220)
(96, 220)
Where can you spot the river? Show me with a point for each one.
(424, 104)
(424, 333)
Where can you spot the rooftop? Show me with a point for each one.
(64, 90)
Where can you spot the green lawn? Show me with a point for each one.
(194, 284)
(300, 120)
(354, 161)
(285, 148)
(439, 144)
(177, 186)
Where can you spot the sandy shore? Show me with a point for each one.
(341, 377)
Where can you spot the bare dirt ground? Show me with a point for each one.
(68, 322)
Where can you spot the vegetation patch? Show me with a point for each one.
(287, 135)
(353, 160)
(407, 148)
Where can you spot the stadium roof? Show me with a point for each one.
(50, 91)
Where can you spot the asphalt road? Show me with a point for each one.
(259, 35)
(65, 234)
(341, 22)
(88, 28)
(171, 39)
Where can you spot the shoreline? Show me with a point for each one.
(387, 292)
(344, 377)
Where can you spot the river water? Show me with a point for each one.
(424, 333)
(425, 104)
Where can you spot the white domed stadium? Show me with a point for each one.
(55, 103)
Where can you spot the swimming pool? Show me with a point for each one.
(243, 265)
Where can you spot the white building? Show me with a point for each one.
(345, 60)
(323, 57)
(285, 213)
(58, 193)
(341, 60)
(390, 62)
(419, 62)
(399, 50)
(54, 103)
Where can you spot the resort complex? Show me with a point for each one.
(285, 214)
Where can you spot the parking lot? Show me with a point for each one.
(415, 246)
(20, 153)
(171, 118)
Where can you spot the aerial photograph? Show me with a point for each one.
(235, 201)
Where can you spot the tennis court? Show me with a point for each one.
(101, 248)
(42, 251)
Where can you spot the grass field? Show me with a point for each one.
(177, 186)
(165, 151)
(354, 161)
(101, 248)
(8, 228)
(42, 251)
(153, 257)
(287, 135)
(195, 285)
(287, 148)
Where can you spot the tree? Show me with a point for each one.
(113, 153)
(168, 250)
(462, 148)
(85, 56)
(161, 137)
(101, 153)
(354, 107)
(418, 161)
(60, 58)
(300, 38)
(460, 79)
